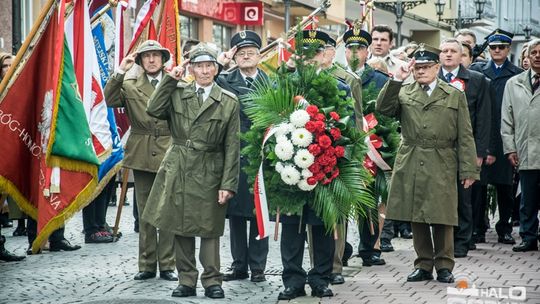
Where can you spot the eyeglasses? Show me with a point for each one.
(249, 54)
(423, 67)
(500, 47)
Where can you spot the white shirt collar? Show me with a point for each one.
(252, 77)
(454, 72)
(432, 86)
(207, 90)
(158, 77)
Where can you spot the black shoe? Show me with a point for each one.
(235, 275)
(63, 245)
(386, 245)
(8, 256)
(506, 239)
(168, 275)
(321, 291)
(472, 246)
(479, 239)
(406, 234)
(445, 276)
(98, 237)
(257, 276)
(29, 251)
(214, 292)
(291, 293)
(419, 275)
(526, 246)
(347, 253)
(336, 279)
(373, 260)
(144, 275)
(183, 291)
(20, 231)
(460, 254)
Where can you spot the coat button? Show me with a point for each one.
(421, 163)
(156, 121)
(154, 153)
(425, 126)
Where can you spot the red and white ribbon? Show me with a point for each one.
(143, 17)
(373, 154)
(259, 192)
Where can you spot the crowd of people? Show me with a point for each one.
(468, 120)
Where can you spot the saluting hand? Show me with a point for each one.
(224, 196)
(404, 71)
(127, 62)
(178, 70)
(226, 57)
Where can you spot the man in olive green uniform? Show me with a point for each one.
(199, 173)
(354, 82)
(437, 144)
(145, 148)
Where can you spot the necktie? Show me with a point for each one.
(200, 96)
(154, 82)
(249, 81)
(449, 77)
(425, 88)
(498, 70)
(536, 83)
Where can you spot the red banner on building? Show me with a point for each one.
(241, 13)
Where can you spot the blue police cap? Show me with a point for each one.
(246, 38)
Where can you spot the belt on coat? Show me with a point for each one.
(152, 132)
(429, 143)
(197, 146)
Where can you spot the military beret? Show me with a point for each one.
(425, 54)
(246, 38)
(356, 37)
(314, 38)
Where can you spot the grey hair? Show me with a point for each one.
(531, 45)
(466, 32)
(452, 40)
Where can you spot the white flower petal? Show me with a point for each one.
(304, 186)
(299, 118)
(279, 167)
(302, 137)
(303, 158)
(284, 150)
(290, 175)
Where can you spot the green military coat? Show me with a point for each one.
(437, 144)
(149, 137)
(203, 159)
(355, 83)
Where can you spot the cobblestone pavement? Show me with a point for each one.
(103, 273)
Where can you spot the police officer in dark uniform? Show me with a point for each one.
(498, 169)
(293, 231)
(246, 250)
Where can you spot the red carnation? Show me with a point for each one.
(330, 151)
(315, 168)
(319, 176)
(323, 160)
(320, 117)
(332, 161)
(336, 133)
(320, 126)
(326, 181)
(328, 169)
(340, 151)
(311, 181)
(335, 173)
(335, 116)
(314, 149)
(311, 126)
(312, 110)
(325, 141)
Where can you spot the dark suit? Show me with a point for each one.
(245, 251)
(500, 173)
(479, 104)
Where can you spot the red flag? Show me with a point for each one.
(152, 30)
(169, 31)
(33, 129)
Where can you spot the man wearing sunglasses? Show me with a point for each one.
(499, 70)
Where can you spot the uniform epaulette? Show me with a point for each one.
(230, 94)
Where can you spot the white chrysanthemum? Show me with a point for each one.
(290, 175)
(299, 118)
(284, 150)
(302, 137)
(281, 139)
(304, 186)
(284, 129)
(306, 173)
(303, 158)
(279, 167)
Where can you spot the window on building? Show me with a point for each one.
(222, 36)
(189, 28)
